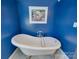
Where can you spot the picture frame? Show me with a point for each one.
(38, 15)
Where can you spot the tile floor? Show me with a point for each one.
(17, 54)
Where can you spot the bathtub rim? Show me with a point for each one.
(34, 48)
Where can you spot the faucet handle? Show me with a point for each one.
(40, 33)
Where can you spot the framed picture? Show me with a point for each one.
(38, 14)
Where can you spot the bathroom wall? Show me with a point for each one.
(66, 12)
(61, 16)
(28, 28)
(9, 26)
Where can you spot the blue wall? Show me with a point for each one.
(61, 16)
(9, 27)
(24, 16)
(65, 16)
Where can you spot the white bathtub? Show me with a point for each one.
(31, 45)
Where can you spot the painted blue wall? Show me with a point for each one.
(24, 16)
(65, 16)
(9, 27)
(61, 16)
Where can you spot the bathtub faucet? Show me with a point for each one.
(40, 33)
